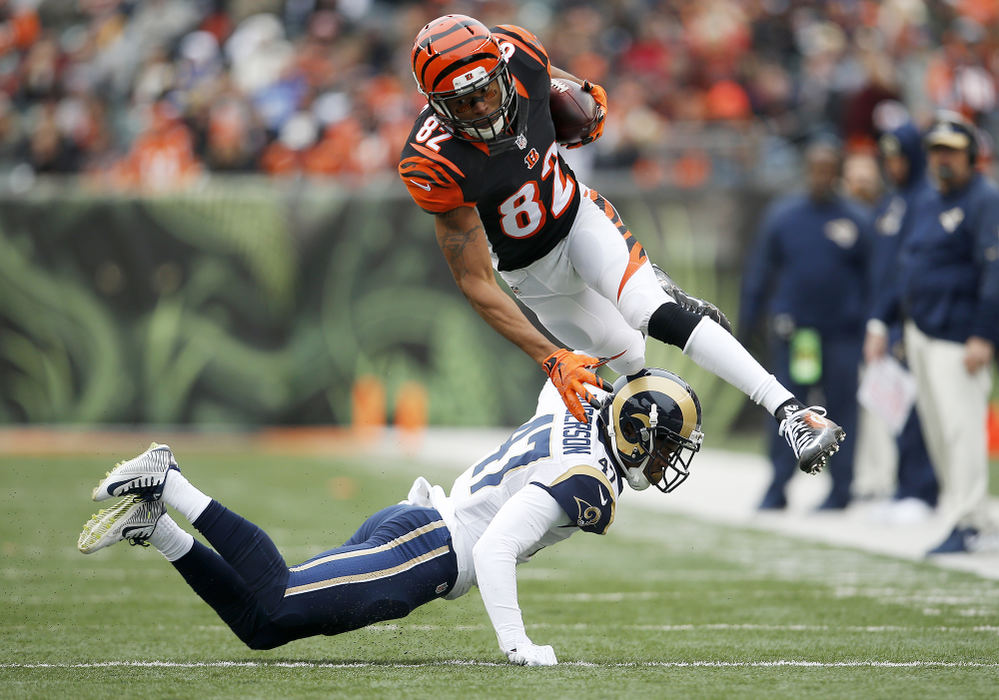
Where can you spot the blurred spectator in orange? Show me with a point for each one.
(726, 100)
(19, 28)
(337, 152)
(162, 156)
(766, 75)
(286, 156)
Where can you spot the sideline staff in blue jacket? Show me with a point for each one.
(949, 295)
(905, 168)
(808, 274)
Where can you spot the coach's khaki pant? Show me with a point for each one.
(952, 407)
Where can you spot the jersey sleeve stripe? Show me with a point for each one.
(438, 200)
(420, 168)
(438, 158)
(524, 39)
(527, 50)
(587, 470)
(521, 90)
(435, 195)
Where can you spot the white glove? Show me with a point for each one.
(532, 655)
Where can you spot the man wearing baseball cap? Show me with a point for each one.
(948, 295)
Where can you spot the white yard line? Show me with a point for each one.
(798, 663)
(711, 627)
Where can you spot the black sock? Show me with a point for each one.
(787, 408)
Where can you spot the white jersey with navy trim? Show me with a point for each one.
(553, 451)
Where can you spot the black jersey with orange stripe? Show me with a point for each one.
(526, 196)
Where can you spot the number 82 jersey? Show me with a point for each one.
(526, 196)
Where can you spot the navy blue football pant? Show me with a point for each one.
(916, 477)
(840, 365)
(399, 559)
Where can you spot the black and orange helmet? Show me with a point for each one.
(653, 424)
(454, 56)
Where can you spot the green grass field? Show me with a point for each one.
(662, 606)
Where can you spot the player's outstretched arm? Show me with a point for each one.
(515, 530)
(463, 242)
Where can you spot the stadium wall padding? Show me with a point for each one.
(254, 303)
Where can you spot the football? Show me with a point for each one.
(574, 112)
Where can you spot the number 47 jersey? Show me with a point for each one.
(526, 196)
(553, 451)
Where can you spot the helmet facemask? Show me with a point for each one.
(660, 456)
(487, 128)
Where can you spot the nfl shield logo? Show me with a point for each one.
(521, 141)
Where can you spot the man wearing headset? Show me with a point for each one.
(948, 294)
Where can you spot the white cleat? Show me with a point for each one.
(131, 519)
(142, 476)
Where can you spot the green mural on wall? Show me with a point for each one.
(249, 304)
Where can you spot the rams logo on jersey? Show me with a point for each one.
(842, 232)
(951, 219)
(588, 515)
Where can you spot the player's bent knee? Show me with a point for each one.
(635, 302)
(263, 640)
(672, 324)
(268, 636)
(630, 361)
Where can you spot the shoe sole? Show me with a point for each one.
(101, 523)
(817, 463)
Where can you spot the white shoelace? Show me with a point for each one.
(796, 431)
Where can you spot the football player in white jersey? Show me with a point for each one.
(552, 477)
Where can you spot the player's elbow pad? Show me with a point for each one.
(672, 324)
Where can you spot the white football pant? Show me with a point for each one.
(952, 407)
(591, 292)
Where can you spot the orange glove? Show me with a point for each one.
(569, 372)
(600, 96)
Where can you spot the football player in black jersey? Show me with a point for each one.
(483, 159)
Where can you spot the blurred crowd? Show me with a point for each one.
(157, 93)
